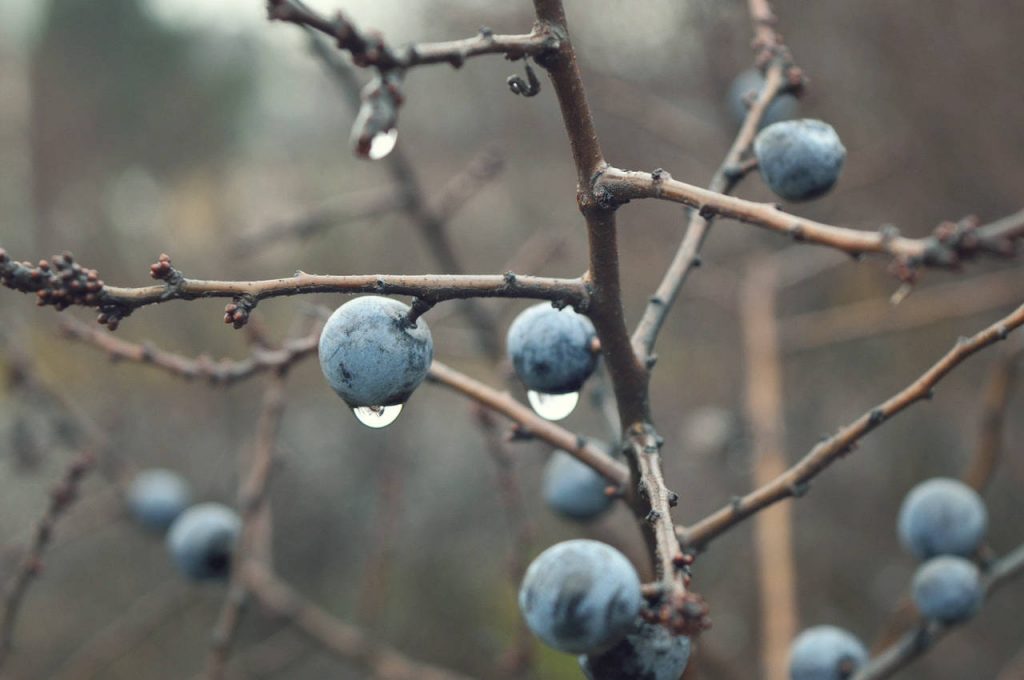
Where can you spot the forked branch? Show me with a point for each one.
(795, 480)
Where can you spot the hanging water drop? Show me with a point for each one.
(377, 416)
(382, 144)
(553, 406)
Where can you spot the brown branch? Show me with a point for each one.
(995, 402)
(62, 496)
(918, 641)
(943, 250)
(63, 283)
(217, 372)
(369, 49)
(254, 544)
(500, 402)
(794, 482)
(772, 528)
(647, 494)
(343, 640)
(869, 318)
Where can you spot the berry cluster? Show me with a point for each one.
(943, 522)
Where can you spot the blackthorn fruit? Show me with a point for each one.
(202, 541)
(942, 517)
(649, 652)
(799, 159)
(552, 349)
(580, 596)
(371, 355)
(156, 497)
(947, 588)
(573, 488)
(825, 653)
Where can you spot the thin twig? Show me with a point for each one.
(773, 528)
(369, 49)
(125, 632)
(941, 250)
(62, 496)
(344, 210)
(918, 641)
(555, 435)
(686, 258)
(83, 287)
(216, 372)
(794, 482)
(254, 544)
(995, 401)
(343, 640)
(928, 305)
(519, 654)
(979, 469)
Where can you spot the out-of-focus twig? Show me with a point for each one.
(125, 632)
(62, 496)
(995, 401)
(874, 317)
(343, 210)
(343, 640)
(519, 654)
(772, 528)
(918, 641)
(369, 49)
(218, 372)
(254, 544)
(374, 582)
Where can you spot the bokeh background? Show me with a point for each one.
(134, 127)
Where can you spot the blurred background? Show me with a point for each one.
(134, 127)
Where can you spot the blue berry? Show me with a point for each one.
(942, 517)
(156, 497)
(202, 541)
(799, 159)
(649, 652)
(947, 588)
(580, 596)
(825, 653)
(371, 355)
(552, 349)
(748, 84)
(573, 489)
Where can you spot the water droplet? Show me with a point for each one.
(382, 144)
(377, 416)
(553, 406)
